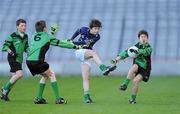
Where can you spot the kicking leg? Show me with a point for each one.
(92, 54)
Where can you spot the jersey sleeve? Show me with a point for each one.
(79, 42)
(7, 43)
(26, 48)
(61, 43)
(85, 42)
(145, 52)
(123, 54)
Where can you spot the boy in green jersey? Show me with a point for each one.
(15, 44)
(36, 63)
(141, 68)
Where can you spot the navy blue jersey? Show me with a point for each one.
(86, 38)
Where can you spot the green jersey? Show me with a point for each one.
(40, 44)
(17, 44)
(143, 58)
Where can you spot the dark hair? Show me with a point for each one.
(142, 32)
(40, 25)
(20, 21)
(94, 23)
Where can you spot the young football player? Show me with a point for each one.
(141, 68)
(15, 44)
(36, 63)
(89, 36)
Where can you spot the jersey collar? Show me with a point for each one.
(20, 36)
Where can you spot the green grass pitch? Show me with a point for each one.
(161, 95)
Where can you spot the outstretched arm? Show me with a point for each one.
(62, 43)
(57, 42)
(121, 56)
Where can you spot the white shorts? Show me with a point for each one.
(80, 54)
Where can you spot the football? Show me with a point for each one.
(132, 53)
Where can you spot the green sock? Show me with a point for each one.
(8, 85)
(102, 67)
(40, 90)
(126, 81)
(133, 96)
(55, 89)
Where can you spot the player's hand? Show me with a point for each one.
(54, 29)
(132, 50)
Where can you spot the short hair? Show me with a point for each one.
(142, 32)
(95, 23)
(40, 25)
(20, 21)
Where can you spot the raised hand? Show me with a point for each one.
(54, 28)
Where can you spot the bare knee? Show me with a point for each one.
(19, 74)
(51, 74)
(136, 81)
(48, 73)
(44, 79)
(90, 53)
(134, 68)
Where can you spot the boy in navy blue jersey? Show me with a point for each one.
(89, 36)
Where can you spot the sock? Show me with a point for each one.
(55, 89)
(8, 85)
(126, 81)
(40, 90)
(102, 67)
(133, 96)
